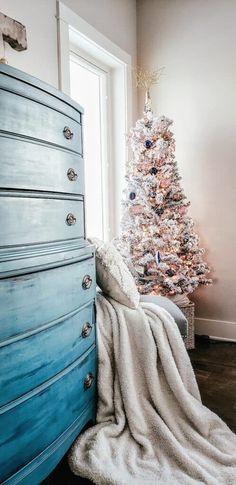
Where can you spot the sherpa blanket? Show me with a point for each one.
(151, 425)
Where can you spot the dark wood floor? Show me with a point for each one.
(214, 363)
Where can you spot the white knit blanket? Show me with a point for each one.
(151, 425)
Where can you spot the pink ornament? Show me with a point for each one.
(182, 210)
(136, 209)
(165, 183)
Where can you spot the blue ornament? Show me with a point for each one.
(148, 124)
(152, 194)
(148, 144)
(153, 171)
(158, 257)
(132, 195)
(170, 272)
(159, 211)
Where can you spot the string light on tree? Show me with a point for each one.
(158, 238)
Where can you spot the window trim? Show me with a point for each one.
(72, 30)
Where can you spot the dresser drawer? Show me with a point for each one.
(18, 82)
(25, 164)
(30, 424)
(31, 301)
(43, 464)
(66, 341)
(28, 118)
(30, 218)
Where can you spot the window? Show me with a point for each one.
(89, 85)
(97, 74)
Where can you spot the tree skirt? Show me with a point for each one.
(151, 425)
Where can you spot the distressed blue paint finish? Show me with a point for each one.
(62, 343)
(36, 420)
(33, 300)
(44, 358)
(42, 256)
(42, 218)
(42, 167)
(49, 127)
(18, 82)
(37, 469)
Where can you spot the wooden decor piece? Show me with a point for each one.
(13, 32)
(188, 311)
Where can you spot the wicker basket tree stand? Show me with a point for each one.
(188, 311)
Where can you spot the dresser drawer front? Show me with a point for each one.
(29, 302)
(43, 464)
(28, 165)
(31, 425)
(66, 341)
(36, 219)
(18, 82)
(28, 118)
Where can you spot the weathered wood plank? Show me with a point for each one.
(13, 32)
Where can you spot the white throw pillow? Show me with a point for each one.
(113, 276)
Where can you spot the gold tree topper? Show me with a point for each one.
(144, 80)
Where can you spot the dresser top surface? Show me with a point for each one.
(37, 83)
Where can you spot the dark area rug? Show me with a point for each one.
(214, 363)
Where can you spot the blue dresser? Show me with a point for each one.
(47, 280)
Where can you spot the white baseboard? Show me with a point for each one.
(216, 329)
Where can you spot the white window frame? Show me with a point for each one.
(75, 34)
(103, 72)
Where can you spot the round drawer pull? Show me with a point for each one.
(68, 133)
(88, 381)
(72, 175)
(71, 219)
(87, 281)
(86, 330)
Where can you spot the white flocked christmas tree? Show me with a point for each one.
(157, 238)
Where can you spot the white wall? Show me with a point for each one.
(195, 41)
(40, 59)
(116, 19)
